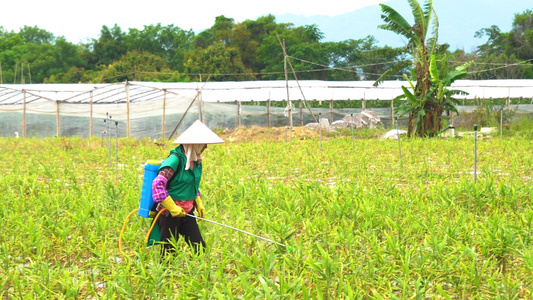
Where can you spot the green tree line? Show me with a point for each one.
(250, 50)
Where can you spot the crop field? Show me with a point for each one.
(357, 223)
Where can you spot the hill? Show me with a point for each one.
(458, 21)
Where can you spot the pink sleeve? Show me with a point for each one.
(159, 185)
(159, 188)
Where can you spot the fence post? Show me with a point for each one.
(509, 106)
(268, 111)
(164, 107)
(392, 111)
(57, 118)
(91, 115)
(301, 114)
(239, 114)
(127, 109)
(331, 110)
(24, 113)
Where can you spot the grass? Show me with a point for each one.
(360, 225)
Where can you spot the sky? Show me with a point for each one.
(78, 21)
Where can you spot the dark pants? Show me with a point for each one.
(176, 227)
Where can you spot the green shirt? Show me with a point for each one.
(185, 183)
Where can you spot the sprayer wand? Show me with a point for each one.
(239, 230)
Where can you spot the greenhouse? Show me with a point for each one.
(162, 110)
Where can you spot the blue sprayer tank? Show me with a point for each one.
(150, 173)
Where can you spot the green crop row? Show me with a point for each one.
(359, 223)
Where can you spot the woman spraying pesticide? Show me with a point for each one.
(176, 188)
(172, 187)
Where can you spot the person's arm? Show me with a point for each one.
(160, 192)
(159, 185)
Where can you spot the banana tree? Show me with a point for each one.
(426, 110)
(428, 97)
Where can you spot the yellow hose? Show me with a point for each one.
(147, 235)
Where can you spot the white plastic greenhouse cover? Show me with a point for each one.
(243, 91)
(154, 109)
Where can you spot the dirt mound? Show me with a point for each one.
(274, 134)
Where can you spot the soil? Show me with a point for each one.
(274, 134)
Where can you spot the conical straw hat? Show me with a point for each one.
(198, 133)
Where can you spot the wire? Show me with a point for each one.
(502, 67)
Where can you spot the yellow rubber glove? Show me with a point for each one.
(199, 207)
(175, 210)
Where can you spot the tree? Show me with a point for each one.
(36, 35)
(363, 59)
(521, 36)
(170, 42)
(52, 59)
(220, 62)
(309, 58)
(506, 55)
(109, 47)
(135, 66)
(428, 82)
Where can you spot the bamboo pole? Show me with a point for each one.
(91, 116)
(57, 118)
(392, 110)
(183, 116)
(199, 105)
(268, 110)
(24, 114)
(127, 109)
(15, 73)
(509, 106)
(289, 104)
(239, 109)
(163, 121)
(331, 110)
(202, 115)
(29, 72)
(301, 113)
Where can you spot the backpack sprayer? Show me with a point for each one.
(147, 204)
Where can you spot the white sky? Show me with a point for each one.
(80, 20)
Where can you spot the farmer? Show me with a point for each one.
(176, 188)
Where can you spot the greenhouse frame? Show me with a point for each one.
(162, 110)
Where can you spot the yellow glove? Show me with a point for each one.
(175, 210)
(199, 207)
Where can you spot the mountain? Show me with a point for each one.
(458, 21)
